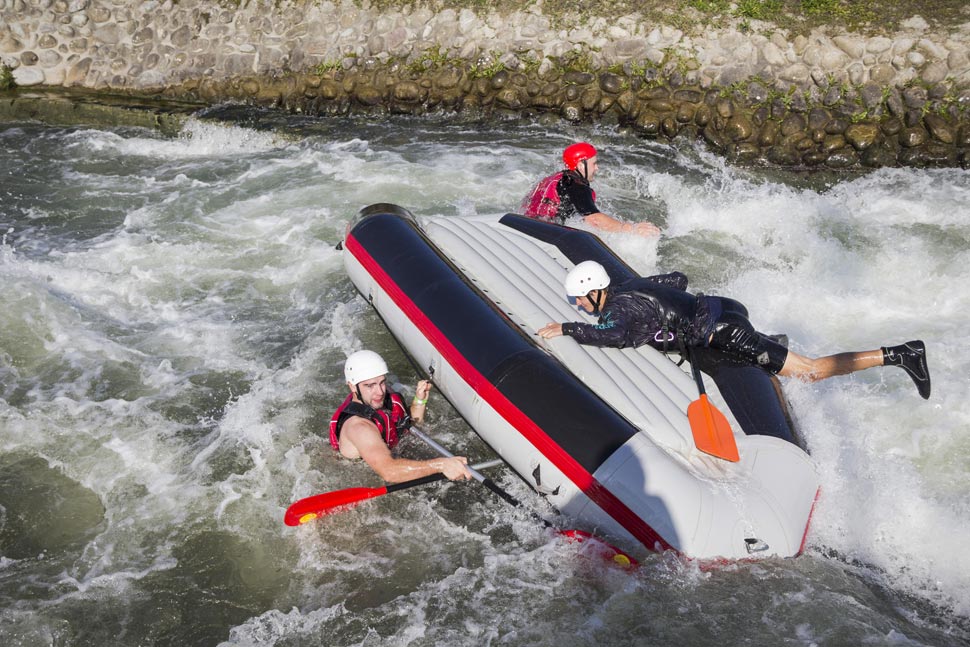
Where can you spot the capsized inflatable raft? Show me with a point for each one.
(601, 432)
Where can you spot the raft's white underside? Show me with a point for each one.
(702, 506)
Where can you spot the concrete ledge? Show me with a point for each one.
(65, 107)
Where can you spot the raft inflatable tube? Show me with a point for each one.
(602, 433)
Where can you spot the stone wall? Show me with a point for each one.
(756, 94)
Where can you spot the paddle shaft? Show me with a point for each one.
(696, 371)
(484, 480)
(431, 478)
(428, 440)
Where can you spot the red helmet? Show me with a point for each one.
(576, 153)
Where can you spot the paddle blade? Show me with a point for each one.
(319, 505)
(712, 432)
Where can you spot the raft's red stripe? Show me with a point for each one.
(512, 414)
(808, 523)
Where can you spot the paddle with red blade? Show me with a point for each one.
(319, 505)
(712, 432)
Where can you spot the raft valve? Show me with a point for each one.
(755, 545)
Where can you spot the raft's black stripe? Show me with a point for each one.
(575, 244)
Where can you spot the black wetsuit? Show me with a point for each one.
(575, 196)
(658, 311)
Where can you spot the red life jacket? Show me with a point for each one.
(543, 201)
(392, 419)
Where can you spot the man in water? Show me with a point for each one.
(372, 417)
(659, 311)
(568, 192)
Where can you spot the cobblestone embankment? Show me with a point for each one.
(757, 94)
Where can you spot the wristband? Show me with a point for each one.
(416, 400)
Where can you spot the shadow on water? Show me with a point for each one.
(219, 581)
(42, 511)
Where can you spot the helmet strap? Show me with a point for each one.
(585, 171)
(360, 398)
(598, 301)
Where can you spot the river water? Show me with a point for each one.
(173, 322)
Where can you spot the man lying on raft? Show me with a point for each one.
(372, 417)
(658, 311)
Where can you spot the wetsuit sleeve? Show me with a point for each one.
(579, 194)
(610, 331)
(673, 280)
(631, 319)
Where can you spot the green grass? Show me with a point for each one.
(824, 8)
(327, 66)
(487, 68)
(432, 59)
(710, 6)
(759, 9)
(695, 16)
(6, 78)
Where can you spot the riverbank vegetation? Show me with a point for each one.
(6, 78)
(692, 16)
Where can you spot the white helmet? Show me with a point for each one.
(363, 365)
(587, 276)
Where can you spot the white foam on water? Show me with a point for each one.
(164, 306)
(196, 139)
(274, 625)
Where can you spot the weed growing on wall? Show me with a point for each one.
(6, 78)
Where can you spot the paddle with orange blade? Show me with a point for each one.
(319, 505)
(712, 432)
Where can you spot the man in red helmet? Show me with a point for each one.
(568, 192)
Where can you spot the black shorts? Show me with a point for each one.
(735, 335)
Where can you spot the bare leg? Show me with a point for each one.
(739, 338)
(815, 369)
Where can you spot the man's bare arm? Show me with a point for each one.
(608, 223)
(366, 439)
